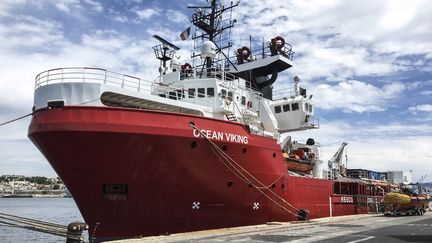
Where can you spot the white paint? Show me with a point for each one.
(221, 136)
(360, 240)
(345, 199)
(195, 205)
(255, 206)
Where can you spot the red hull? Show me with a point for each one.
(175, 182)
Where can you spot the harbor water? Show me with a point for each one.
(56, 210)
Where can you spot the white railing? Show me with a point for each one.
(91, 75)
(283, 93)
(103, 76)
(312, 122)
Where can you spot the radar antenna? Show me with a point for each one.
(164, 52)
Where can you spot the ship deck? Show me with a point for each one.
(353, 228)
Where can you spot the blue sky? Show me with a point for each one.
(367, 63)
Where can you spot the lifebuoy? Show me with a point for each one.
(187, 68)
(243, 54)
(278, 42)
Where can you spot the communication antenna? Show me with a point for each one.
(209, 20)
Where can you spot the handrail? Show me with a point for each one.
(90, 74)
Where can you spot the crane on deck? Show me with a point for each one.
(335, 166)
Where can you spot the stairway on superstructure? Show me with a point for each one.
(231, 117)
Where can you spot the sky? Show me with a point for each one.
(367, 63)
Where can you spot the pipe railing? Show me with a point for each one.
(93, 75)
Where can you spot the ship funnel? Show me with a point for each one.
(208, 49)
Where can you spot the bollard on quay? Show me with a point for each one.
(74, 232)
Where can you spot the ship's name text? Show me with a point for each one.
(222, 136)
(347, 200)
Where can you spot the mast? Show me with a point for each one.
(212, 26)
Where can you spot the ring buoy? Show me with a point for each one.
(187, 68)
(278, 42)
(243, 54)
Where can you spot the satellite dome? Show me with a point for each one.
(175, 64)
(208, 49)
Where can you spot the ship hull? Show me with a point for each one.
(137, 173)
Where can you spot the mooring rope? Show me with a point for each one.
(29, 114)
(16, 119)
(241, 175)
(37, 225)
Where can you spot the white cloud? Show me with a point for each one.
(355, 96)
(96, 6)
(426, 92)
(176, 16)
(144, 14)
(340, 39)
(7, 5)
(421, 108)
(67, 5)
(28, 31)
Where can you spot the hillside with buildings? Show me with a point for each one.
(36, 186)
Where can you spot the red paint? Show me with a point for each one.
(168, 171)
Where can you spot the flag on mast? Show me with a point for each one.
(185, 34)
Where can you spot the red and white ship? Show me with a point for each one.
(203, 146)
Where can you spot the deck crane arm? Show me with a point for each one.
(335, 163)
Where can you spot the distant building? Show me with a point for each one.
(399, 177)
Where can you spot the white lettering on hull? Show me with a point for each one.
(222, 136)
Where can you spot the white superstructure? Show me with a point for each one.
(237, 90)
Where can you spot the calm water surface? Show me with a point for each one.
(57, 210)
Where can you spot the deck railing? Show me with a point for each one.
(103, 76)
(93, 75)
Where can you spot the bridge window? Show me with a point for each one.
(310, 107)
(230, 94)
(201, 92)
(210, 92)
(180, 94)
(223, 93)
(278, 109)
(295, 106)
(306, 108)
(243, 101)
(172, 95)
(286, 107)
(191, 93)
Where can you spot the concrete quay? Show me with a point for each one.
(352, 229)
